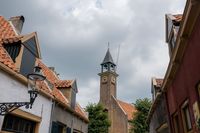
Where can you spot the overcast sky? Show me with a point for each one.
(73, 36)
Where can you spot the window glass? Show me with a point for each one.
(31, 45)
(187, 118)
(27, 63)
(16, 124)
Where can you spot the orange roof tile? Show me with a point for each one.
(128, 108)
(178, 17)
(6, 59)
(52, 78)
(8, 35)
(6, 31)
(80, 111)
(63, 83)
(10, 40)
(50, 75)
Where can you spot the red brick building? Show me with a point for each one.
(181, 82)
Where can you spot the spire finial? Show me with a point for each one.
(108, 45)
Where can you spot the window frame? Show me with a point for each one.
(185, 115)
(176, 122)
(23, 125)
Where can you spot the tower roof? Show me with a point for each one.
(108, 58)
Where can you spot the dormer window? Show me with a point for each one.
(31, 46)
(29, 56)
(172, 27)
(13, 50)
(30, 51)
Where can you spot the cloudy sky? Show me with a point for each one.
(73, 36)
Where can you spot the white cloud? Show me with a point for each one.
(73, 36)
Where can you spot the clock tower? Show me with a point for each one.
(108, 82)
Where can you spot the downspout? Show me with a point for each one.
(51, 117)
(72, 125)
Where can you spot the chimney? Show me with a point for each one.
(17, 22)
(53, 70)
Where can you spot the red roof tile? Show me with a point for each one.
(128, 108)
(8, 35)
(50, 75)
(6, 31)
(6, 59)
(52, 78)
(178, 17)
(63, 83)
(80, 111)
(10, 40)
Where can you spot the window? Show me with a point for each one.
(18, 125)
(13, 50)
(58, 127)
(30, 52)
(68, 130)
(186, 117)
(31, 46)
(176, 123)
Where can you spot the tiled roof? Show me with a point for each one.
(50, 76)
(10, 40)
(157, 82)
(80, 111)
(128, 108)
(63, 83)
(8, 36)
(6, 59)
(6, 31)
(178, 17)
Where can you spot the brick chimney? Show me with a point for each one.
(17, 22)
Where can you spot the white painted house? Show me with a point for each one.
(55, 109)
(13, 83)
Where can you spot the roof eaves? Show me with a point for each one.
(186, 28)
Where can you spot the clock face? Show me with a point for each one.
(113, 79)
(104, 79)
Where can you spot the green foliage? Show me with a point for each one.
(98, 117)
(139, 120)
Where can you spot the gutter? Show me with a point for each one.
(51, 117)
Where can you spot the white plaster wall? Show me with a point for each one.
(13, 91)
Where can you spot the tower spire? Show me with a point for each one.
(108, 63)
(108, 58)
